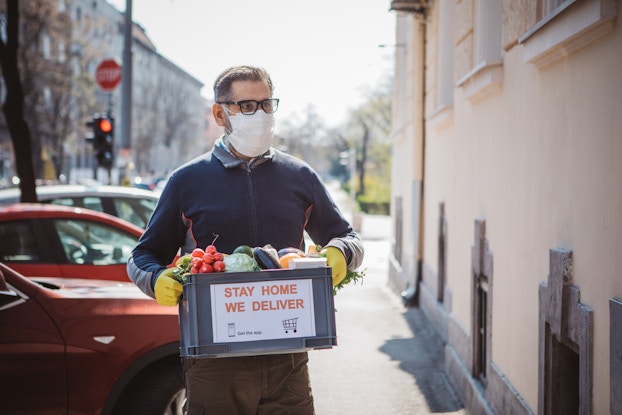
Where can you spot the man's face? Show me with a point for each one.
(241, 90)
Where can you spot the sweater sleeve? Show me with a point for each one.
(352, 248)
(328, 227)
(157, 247)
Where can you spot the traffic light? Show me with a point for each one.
(102, 139)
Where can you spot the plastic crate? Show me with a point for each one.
(257, 313)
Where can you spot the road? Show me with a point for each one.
(388, 360)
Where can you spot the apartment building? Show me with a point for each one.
(167, 106)
(168, 111)
(507, 196)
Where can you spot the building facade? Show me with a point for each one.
(168, 111)
(506, 196)
(167, 107)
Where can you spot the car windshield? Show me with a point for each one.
(136, 211)
(89, 202)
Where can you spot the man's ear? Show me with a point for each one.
(219, 114)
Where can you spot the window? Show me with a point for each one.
(548, 7)
(442, 254)
(481, 304)
(46, 46)
(481, 329)
(3, 23)
(565, 26)
(87, 242)
(565, 341)
(89, 202)
(488, 27)
(61, 53)
(17, 242)
(563, 366)
(487, 74)
(446, 54)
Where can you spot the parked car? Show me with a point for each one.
(129, 203)
(60, 241)
(75, 346)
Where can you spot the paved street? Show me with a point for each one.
(389, 360)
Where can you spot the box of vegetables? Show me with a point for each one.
(257, 302)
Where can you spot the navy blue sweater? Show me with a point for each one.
(222, 199)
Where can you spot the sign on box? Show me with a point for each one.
(262, 310)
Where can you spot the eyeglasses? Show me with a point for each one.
(249, 107)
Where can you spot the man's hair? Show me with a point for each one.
(222, 85)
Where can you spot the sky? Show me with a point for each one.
(320, 53)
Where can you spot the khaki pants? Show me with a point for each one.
(254, 385)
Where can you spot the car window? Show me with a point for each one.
(17, 242)
(136, 211)
(87, 242)
(88, 202)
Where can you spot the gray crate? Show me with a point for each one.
(223, 315)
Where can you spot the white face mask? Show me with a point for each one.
(251, 135)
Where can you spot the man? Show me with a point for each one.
(243, 192)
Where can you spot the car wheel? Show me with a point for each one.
(160, 392)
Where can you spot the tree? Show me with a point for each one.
(307, 137)
(368, 130)
(164, 127)
(13, 106)
(44, 61)
(44, 64)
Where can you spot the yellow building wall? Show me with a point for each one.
(541, 161)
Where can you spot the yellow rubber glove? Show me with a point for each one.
(167, 289)
(337, 261)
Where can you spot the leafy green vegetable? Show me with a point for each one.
(352, 277)
(240, 262)
(183, 269)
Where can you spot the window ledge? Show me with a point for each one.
(568, 30)
(484, 80)
(443, 117)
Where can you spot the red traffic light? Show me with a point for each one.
(104, 125)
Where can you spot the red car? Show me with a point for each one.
(75, 346)
(60, 241)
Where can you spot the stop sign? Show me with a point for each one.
(108, 75)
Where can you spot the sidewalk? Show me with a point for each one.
(388, 360)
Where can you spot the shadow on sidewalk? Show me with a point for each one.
(422, 356)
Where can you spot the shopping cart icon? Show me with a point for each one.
(290, 324)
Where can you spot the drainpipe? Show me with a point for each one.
(418, 8)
